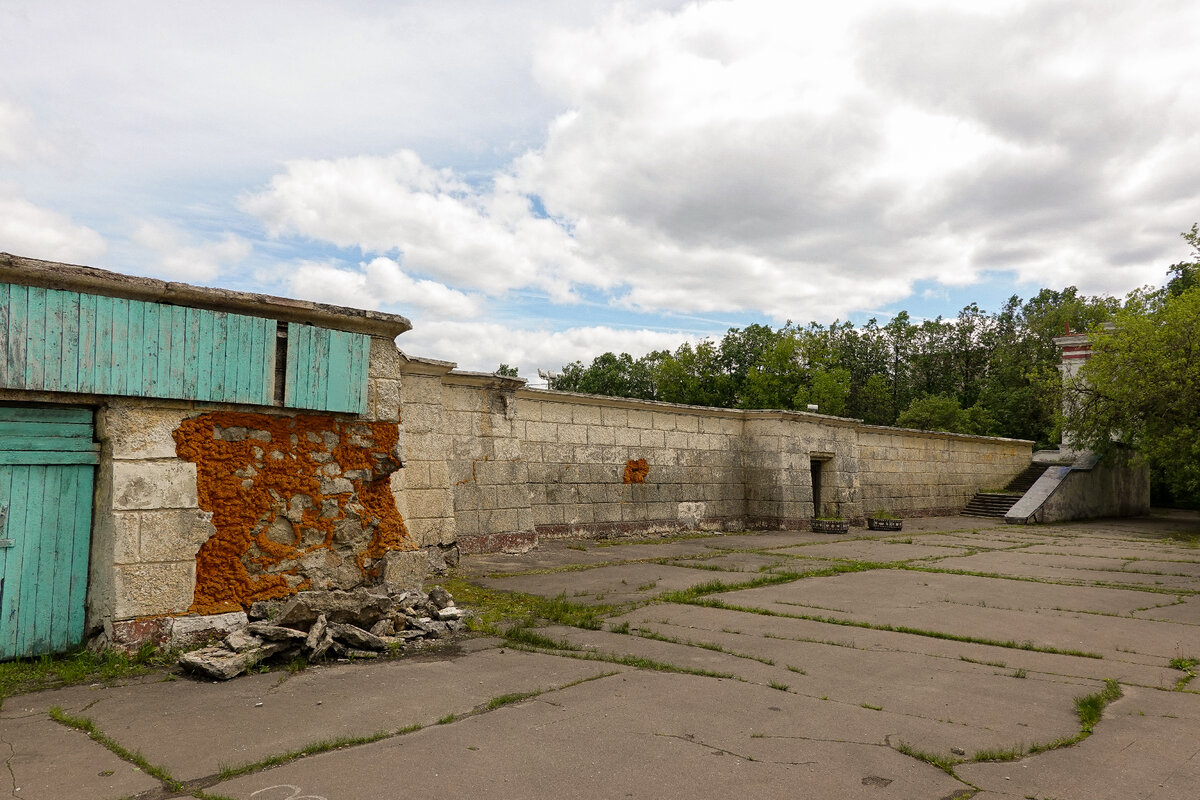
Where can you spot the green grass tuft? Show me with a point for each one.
(95, 734)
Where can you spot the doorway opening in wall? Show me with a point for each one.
(818, 507)
(819, 464)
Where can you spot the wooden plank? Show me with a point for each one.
(191, 363)
(246, 391)
(56, 430)
(233, 355)
(68, 373)
(6, 474)
(135, 358)
(119, 382)
(50, 456)
(151, 345)
(158, 385)
(211, 355)
(252, 381)
(81, 530)
(52, 346)
(43, 443)
(270, 327)
(15, 563)
(45, 414)
(178, 345)
(337, 363)
(4, 322)
(289, 369)
(87, 343)
(35, 336)
(104, 345)
(37, 639)
(35, 498)
(225, 349)
(17, 320)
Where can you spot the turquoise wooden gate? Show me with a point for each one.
(47, 463)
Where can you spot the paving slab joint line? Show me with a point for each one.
(88, 726)
(12, 776)
(326, 745)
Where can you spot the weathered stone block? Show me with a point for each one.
(173, 535)
(405, 568)
(126, 527)
(153, 484)
(664, 422)
(192, 630)
(135, 431)
(144, 590)
(586, 415)
(556, 412)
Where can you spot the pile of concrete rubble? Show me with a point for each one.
(314, 625)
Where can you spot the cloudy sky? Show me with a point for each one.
(533, 181)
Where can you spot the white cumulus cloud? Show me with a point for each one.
(36, 232)
(381, 282)
(177, 255)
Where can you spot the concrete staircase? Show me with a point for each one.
(996, 504)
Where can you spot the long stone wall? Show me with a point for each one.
(921, 473)
(522, 464)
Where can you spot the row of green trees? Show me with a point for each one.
(985, 373)
(980, 373)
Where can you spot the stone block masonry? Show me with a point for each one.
(497, 466)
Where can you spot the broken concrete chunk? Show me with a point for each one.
(241, 641)
(355, 636)
(450, 612)
(440, 597)
(316, 633)
(325, 643)
(215, 662)
(385, 627)
(275, 633)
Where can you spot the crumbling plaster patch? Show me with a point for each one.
(297, 502)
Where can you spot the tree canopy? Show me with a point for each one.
(979, 372)
(1141, 387)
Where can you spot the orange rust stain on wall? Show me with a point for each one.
(279, 492)
(636, 470)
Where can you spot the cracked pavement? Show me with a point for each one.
(865, 665)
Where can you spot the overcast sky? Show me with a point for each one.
(536, 182)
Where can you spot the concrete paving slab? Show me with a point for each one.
(1125, 667)
(755, 563)
(876, 550)
(194, 728)
(1073, 569)
(942, 703)
(988, 608)
(670, 735)
(666, 737)
(617, 584)
(45, 760)
(1147, 746)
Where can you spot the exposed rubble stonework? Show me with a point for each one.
(317, 625)
(298, 502)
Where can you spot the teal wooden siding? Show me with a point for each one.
(47, 460)
(326, 369)
(60, 341)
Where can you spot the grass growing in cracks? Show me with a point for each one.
(713, 602)
(116, 748)
(1089, 709)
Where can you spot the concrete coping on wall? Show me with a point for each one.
(418, 365)
(90, 280)
(488, 380)
(961, 437)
